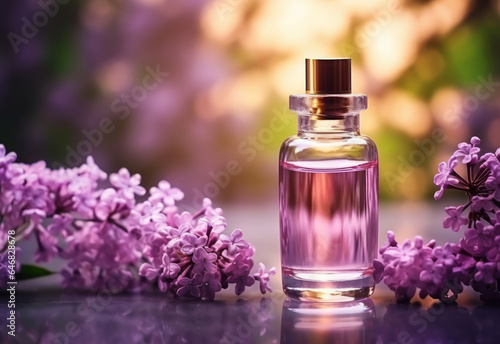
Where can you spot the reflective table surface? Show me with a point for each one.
(79, 318)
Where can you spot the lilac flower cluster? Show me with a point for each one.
(110, 240)
(442, 271)
(189, 255)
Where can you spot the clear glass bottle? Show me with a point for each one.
(328, 191)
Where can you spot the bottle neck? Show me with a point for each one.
(328, 114)
(310, 124)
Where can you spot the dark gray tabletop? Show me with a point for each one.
(54, 317)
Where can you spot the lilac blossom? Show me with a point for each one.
(47, 245)
(431, 278)
(485, 272)
(263, 277)
(152, 214)
(189, 242)
(170, 269)
(107, 237)
(401, 265)
(477, 240)
(493, 252)
(149, 271)
(475, 260)
(130, 185)
(234, 241)
(443, 179)
(479, 203)
(190, 286)
(198, 247)
(204, 261)
(454, 220)
(6, 158)
(239, 263)
(210, 285)
(405, 255)
(165, 194)
(468, 152)
(242, 280)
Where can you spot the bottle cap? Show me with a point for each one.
(328, 76)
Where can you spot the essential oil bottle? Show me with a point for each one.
(328, 191)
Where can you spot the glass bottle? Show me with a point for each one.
(328, 191)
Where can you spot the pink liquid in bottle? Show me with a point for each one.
(329, 225)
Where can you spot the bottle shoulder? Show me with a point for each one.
(350, 147)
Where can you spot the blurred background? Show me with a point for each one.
(191, 91)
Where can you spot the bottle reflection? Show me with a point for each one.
(315, 322)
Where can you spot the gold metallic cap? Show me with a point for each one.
(328, 76)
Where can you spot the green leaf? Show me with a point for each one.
(31, 271)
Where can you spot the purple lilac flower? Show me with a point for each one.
(403, 266)
(210, 285)
(442, 179)
(431, 278)
(204, 261)
(493, 182)
(263, 277)
(170, 270)
(92, 171)
(190, 286)
(6, 158)
(152, 213)
(130, 185)
(47, 245)
(189, 242)
(475, 260)
(391, 242)
(444, 255)
(455, 220)
(485, 203)
(485, 272)
(184, 218)
(477, 240)
(493, 251)
(436, 271)
(107, 204)
(103, 234)
(403, 255)
(149, 271)
(165, 194)
(209, 211)
(468, 152)
(465, 264)
(72, 279)
(234, 242)
(60, 225)
(242, 280)
(239, 263)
